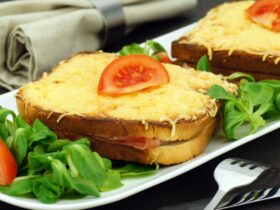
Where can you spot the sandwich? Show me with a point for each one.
(165, 117)
(238, 36)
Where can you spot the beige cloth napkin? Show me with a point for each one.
(35, 34)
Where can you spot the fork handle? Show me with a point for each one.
(212, 205)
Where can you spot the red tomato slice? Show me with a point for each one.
(131, 73)
(266, 13)
(8, 165)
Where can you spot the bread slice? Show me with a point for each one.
(232, 42)
(167, 124)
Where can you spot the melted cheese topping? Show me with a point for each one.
(72, 89)
(226, 27)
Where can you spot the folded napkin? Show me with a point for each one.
(35, 35)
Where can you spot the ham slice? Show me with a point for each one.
(141, 143)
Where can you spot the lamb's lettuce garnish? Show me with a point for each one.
(240, 75)
(51, 168)
(254, 104)
(150, 48)
(203, 64)
(130, 170)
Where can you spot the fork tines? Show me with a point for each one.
(233, 173)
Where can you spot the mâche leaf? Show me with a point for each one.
(20, 186)
(239, 75)
(203, 64)
(153, 47)
(275, 84)
(249, 109)
(85, 187)
(218, 92)
(41, 132)
(20, 123)
(133, 49)
(41, 161)
(150, 48)
(4, 113)
(107, 163)
(4, 132)
(58, 145)
(233, 119)
(19, 147)
(277, 102)
(134, 169)
(5, 123)
(11, 127)
(112, 181)
(52, 168)
(46, 190)
(88, 165)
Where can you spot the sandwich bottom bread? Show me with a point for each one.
(165, 124)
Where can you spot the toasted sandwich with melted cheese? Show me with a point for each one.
(166, 124)
(233, 43)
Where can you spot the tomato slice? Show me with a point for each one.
(131, 73)
(266, 13)
(8, 165)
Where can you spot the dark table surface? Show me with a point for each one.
(199, 182)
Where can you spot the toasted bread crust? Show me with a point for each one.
(224, 63)
(191, 136)
(226, 71)
(167, 154)
(110, 127)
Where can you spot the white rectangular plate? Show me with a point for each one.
(218, 145)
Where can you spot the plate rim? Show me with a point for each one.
(90, 202)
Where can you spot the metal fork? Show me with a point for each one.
(242, 199)
(233, 173)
